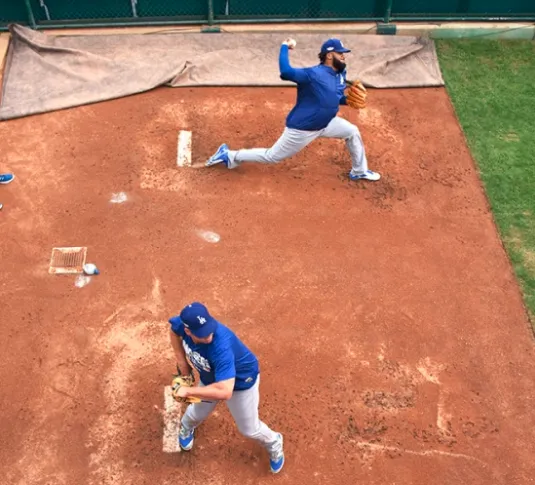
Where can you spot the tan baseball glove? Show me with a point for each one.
(356, 95)
(183, 381)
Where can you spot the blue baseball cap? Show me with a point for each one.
(333, 45)
(196, 318)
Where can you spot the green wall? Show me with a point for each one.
(147, 12)
(463, 7)
(308, 9)
(12, 11)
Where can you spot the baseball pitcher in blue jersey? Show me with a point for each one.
(320, 92)
(228, 371)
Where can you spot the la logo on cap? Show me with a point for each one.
(202, 320)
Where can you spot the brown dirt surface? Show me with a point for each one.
(392, 338)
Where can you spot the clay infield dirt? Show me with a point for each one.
(392, 339)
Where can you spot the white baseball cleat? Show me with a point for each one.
(185, 439)
(368, 175)
(276, 460)
(221, 156)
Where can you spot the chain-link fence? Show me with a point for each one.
(299, 9)
(51, 13)
(462, 9)
(126, 10)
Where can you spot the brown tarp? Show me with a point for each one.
(47, 73)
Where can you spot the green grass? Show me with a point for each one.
(492, 86)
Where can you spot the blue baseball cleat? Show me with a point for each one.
(221, 156)
(185, 439)
(368, 175)
(6, 178)
(276, 461)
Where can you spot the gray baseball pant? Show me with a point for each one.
(243, 405)
(293, 141)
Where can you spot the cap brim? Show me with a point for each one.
(176, 320)
(208, 328)
(343, 51)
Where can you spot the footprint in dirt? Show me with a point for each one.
(387, 192)
(389, 400)
(370, 428)
(383, 194)
(477, 428)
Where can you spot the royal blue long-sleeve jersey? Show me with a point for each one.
(320, 92)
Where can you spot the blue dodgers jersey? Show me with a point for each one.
(320, 92)
(225, 358)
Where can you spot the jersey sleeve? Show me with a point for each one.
(224, 367)
(178, 328)
(289, 73)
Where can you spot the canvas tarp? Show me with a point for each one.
(47, 73)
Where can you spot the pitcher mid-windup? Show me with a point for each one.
(320, 92)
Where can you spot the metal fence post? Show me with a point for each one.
(210, 12)
(211, 27)
(31, 18)
(388, 12)
(385, 27)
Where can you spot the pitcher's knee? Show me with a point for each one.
(274, 157)
(353, 132)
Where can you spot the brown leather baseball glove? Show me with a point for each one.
(356, 95)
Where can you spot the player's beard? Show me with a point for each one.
(339, 65)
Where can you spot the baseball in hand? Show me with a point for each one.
(183, 391)
(291, 43)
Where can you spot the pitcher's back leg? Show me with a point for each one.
(289, 144)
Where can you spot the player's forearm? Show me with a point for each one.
(180, 356)
(216, 392)
(287, 72)
(284, 62)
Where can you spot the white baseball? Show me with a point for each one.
(291, 43)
